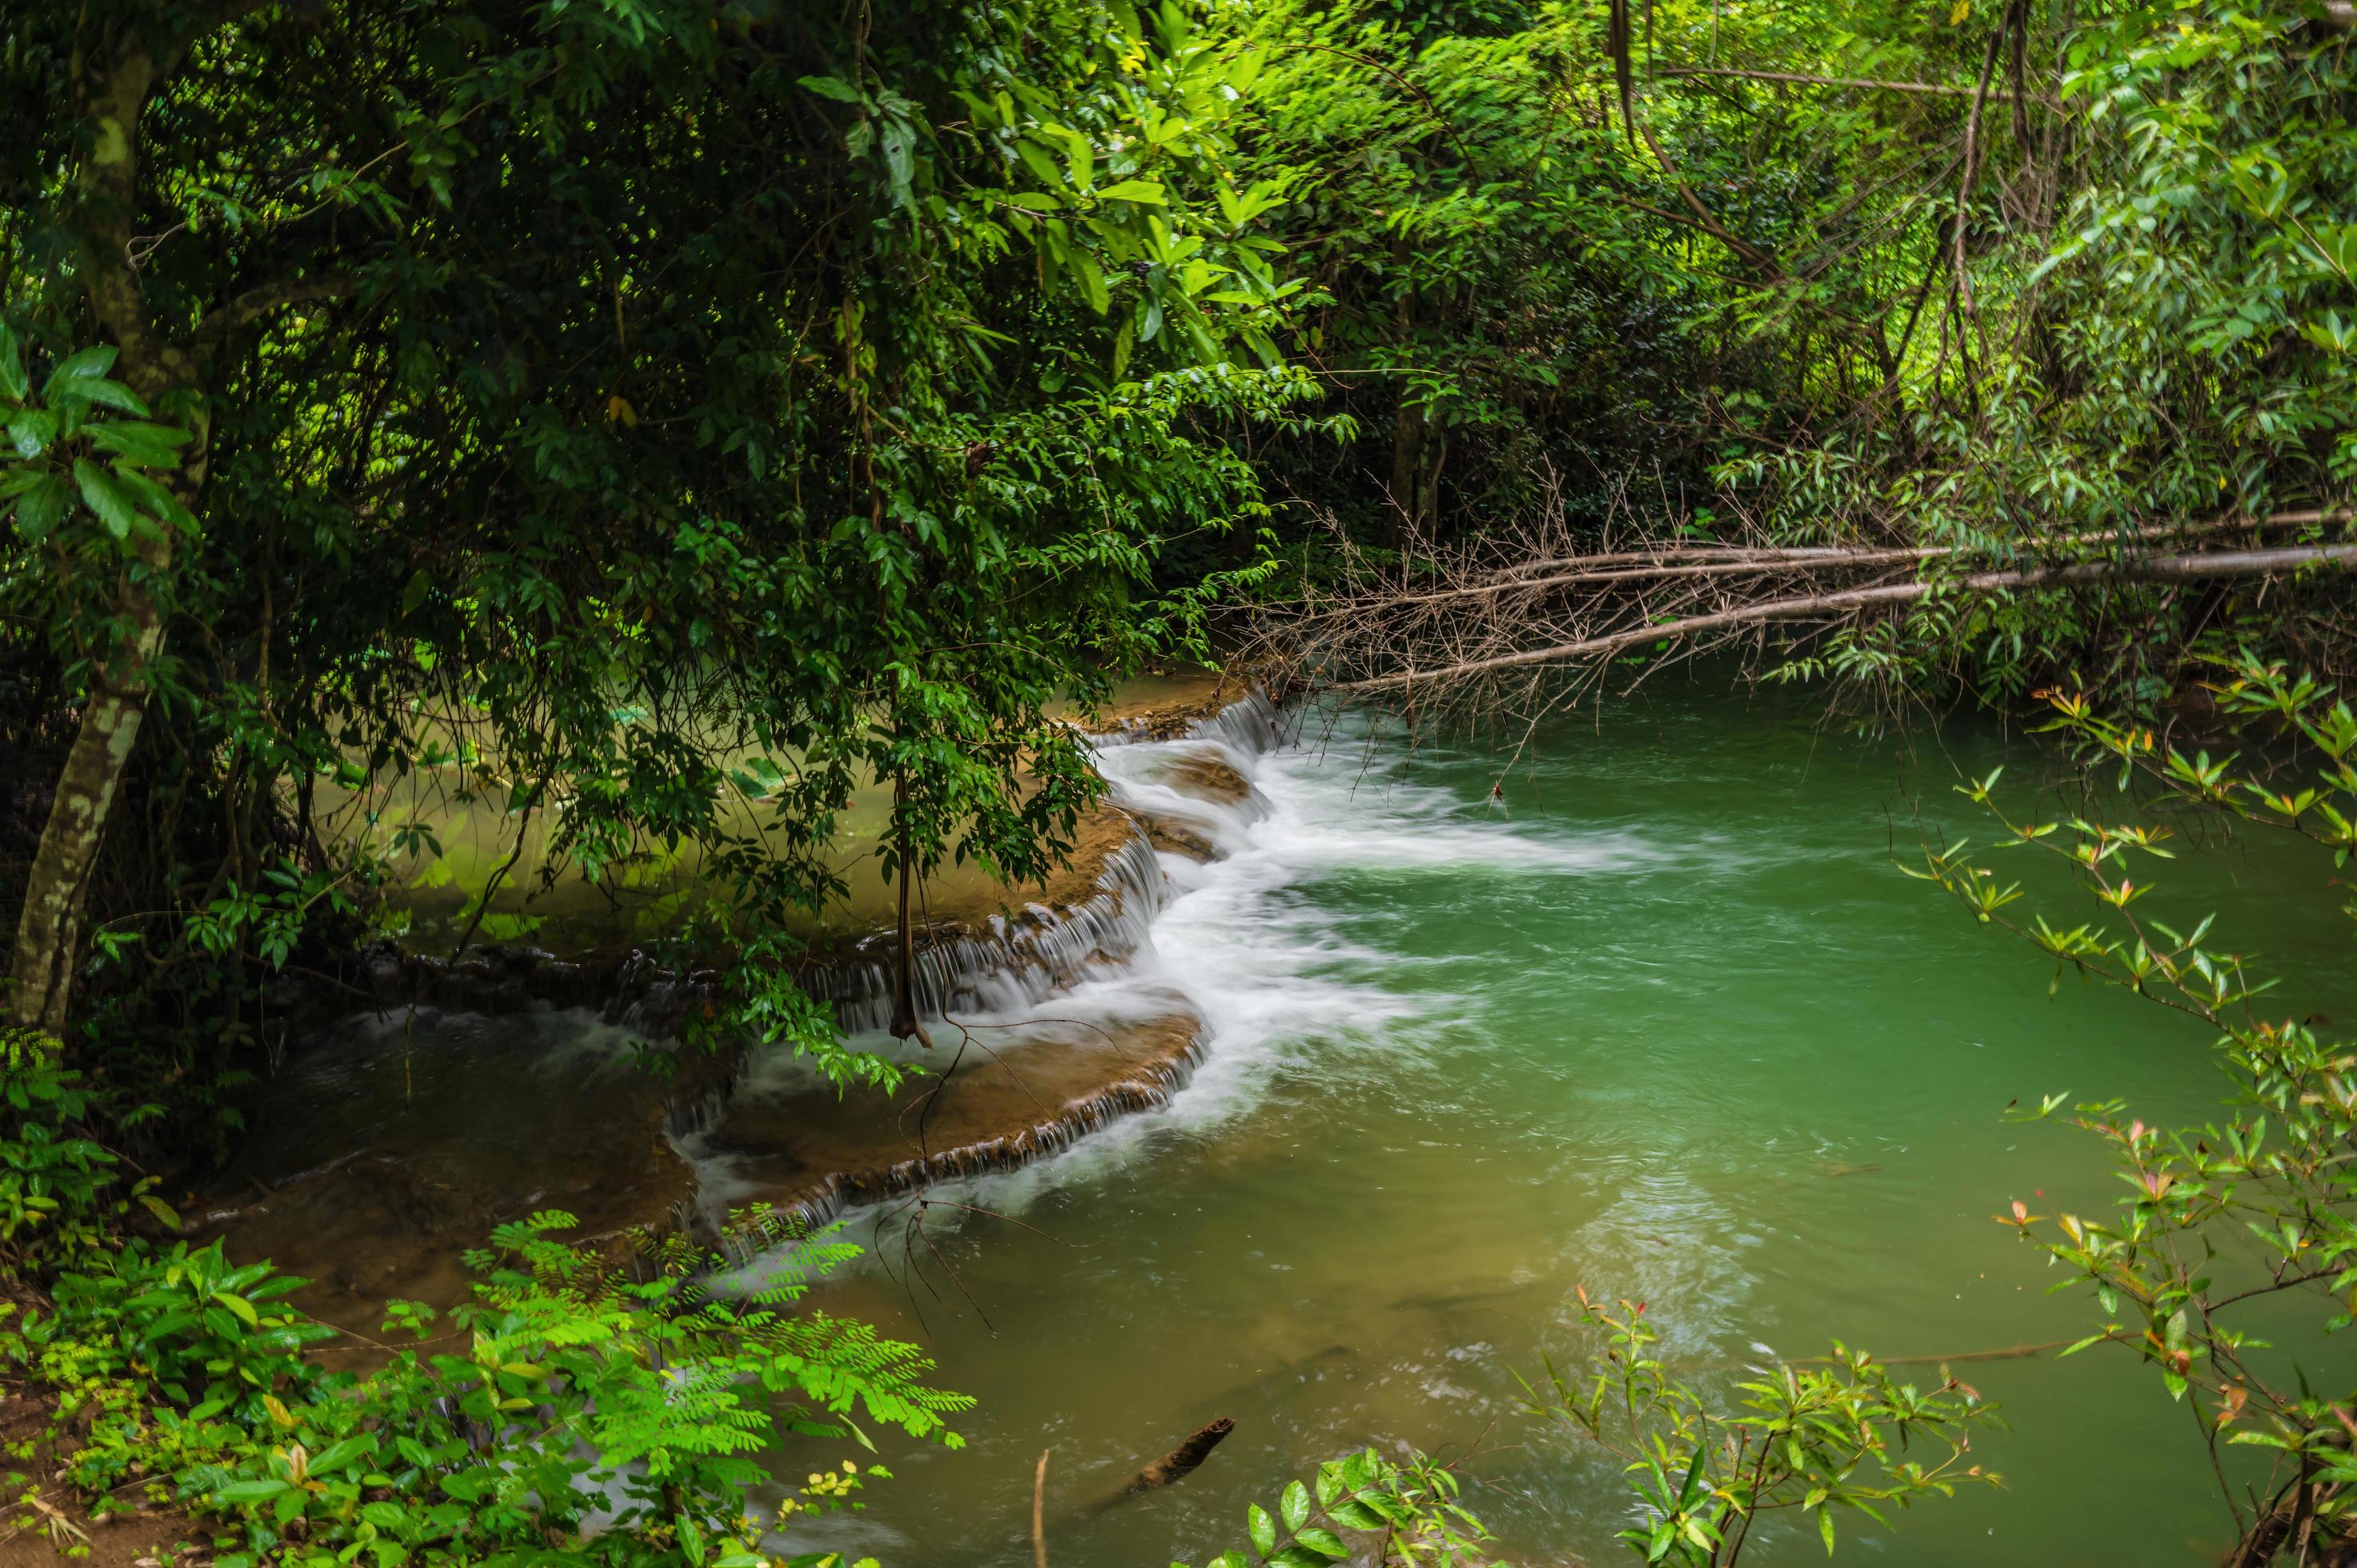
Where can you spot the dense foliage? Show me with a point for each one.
(600, 398)
(659, 420)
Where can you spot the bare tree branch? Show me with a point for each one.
(2219, 564)
(1926, 88)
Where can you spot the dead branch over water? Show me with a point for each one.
(1455, 628)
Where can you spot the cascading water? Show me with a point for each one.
(1373, 1091)
(1020, 959)
(1211, 945)
(1016, 961)
(1115, 1041)
(1047, 1027)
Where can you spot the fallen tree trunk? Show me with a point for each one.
(1761, 565)
(1874, 84)
(2219, 564)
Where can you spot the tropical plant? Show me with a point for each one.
(2231, 1258)
(1815, 1439)
(1407, 1513)
(585, 1416)
(54, 1202)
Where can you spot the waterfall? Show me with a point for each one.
(1024, 959)
(1014, 961)
(1192, 789)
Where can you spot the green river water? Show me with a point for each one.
(1667, 1024)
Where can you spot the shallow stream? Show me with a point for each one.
(1660, 1019)
(1664, 1021)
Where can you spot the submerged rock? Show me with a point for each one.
(399, 1140)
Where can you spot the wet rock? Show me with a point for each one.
(1179, 838)
(1206, 778)
(810, 1153)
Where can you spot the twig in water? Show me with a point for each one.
(1039, 1516)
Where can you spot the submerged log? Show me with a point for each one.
(1175, 1464)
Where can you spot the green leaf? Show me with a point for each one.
(1323, 1542)
(1041, 164)
(149, 445)
(1825, 1528)
(160, 502)
(899, 144)
(89, 363)
(1261, 1528)
(105, 495)
(242, 1308)
(83, 391)
(1093, 282)
(1146, 192)
(338, 1454)
(249, 1491)
(14, 381)
(31, 431)
(1295, 1505)
(832, 87)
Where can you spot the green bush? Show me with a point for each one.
(585, 1416)
(580, 1408)
(54, 1198)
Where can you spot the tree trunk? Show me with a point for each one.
(1428, 488)
(48, 927)
(905, 1024)
(1407, 464)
